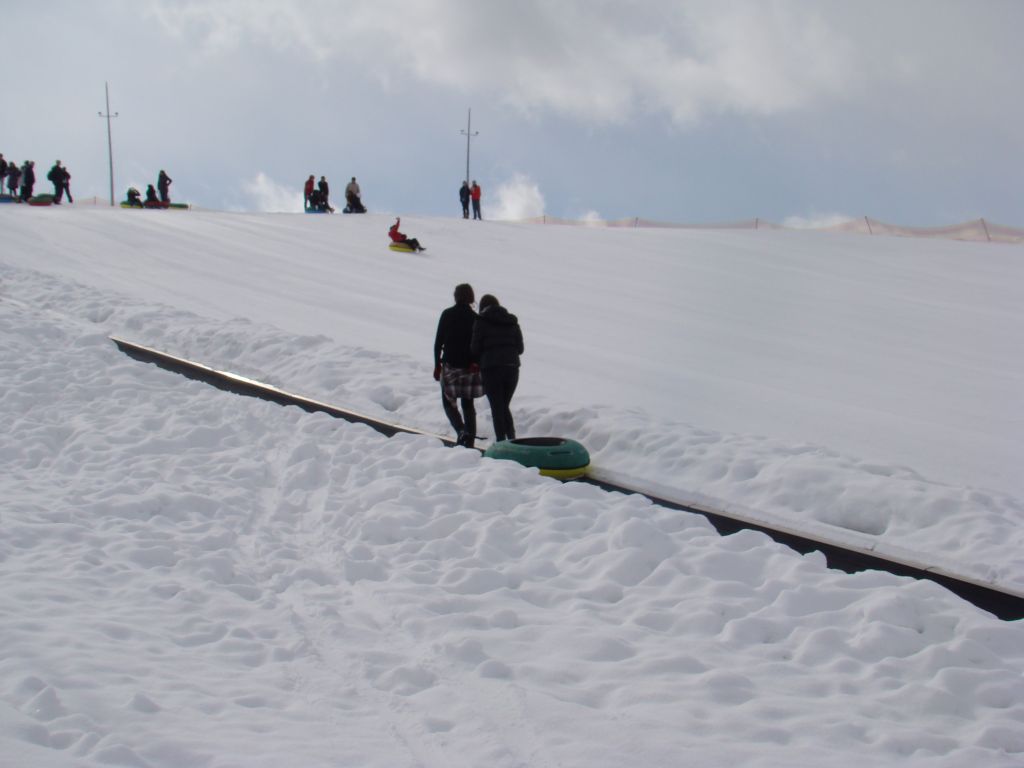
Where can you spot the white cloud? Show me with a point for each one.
(267, 195)
(593, 59)
(592, 219)
(229, 24)
(518, 198)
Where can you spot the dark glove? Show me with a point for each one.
(437, 372)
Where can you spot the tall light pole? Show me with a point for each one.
(110, 143)
(469, 134)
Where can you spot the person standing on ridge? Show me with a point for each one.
(28, 180)
(3, 172)
(455, 367)
(475, 193)
(57, 178)
(464, 199)
(307, 190)
(163, 183)
(325, 194)
(497, 342)
(13, 178)
(67, 185)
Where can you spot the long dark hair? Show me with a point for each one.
(487, 301)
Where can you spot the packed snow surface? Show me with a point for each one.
(191, 578)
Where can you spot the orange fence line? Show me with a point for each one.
(978, 230)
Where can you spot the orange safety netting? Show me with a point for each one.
(978, 230)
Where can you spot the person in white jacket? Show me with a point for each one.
(353, 197)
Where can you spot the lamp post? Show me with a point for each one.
(469, 134)
(110, 143)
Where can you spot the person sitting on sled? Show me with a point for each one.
(134, 198)
(151, 199)
(316, 202)
(398, 237)
(353, 196)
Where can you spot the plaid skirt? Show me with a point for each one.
(461, 382)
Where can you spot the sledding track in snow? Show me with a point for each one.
(1005, 603)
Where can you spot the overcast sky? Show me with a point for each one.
(907, 111)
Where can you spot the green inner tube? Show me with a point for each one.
(541, 452)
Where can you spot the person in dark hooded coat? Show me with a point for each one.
(325, 194)
(13, 178)
(163, 183)
(58, 176)
(497, 342)
(28, 180)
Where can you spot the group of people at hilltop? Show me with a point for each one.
(163, 188)
(317, 196)
(476, 355)
(468, 194)
(20, 181)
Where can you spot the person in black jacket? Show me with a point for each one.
(163, 183)
(325, 194)
(455, 367)
(58, 178)
(13, 178)
(67, 185)
(464, 199)
(28, 180)
(497, 342)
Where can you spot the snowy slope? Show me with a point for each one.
(868, 388)
(191, 578)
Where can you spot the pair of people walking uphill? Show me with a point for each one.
(477, 354)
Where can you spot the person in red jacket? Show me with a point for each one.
(398, 237)
(475, 193)
(307, 191)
